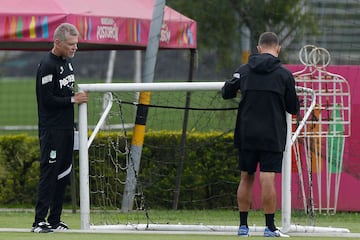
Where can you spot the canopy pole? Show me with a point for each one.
(141, 114)
(182, 150)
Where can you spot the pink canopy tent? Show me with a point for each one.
(103, 25)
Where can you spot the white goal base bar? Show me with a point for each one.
(257, 230)
(205, 230)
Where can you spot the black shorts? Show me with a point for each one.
(269, 161)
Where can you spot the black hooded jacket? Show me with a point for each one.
(54, 88)
(267, 92)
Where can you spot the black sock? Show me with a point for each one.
(269, 220)
(243, 219)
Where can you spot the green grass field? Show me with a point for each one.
(17, 102)
(20, 222)
(18, 107)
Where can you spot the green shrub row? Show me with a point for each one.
(209, 176)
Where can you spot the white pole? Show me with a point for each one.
(109, 99)
(109, 75)
(111, 64)
(158, 86)
(245, 43)
(84, 169)
(137, 75)
(286, 179)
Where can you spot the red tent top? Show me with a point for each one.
(103, 25)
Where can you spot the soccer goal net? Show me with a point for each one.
(184, 161)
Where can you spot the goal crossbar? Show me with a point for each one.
(161, 86)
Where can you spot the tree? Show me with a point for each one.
(220, 22)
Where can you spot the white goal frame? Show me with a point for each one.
(84, 144)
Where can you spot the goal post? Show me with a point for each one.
(174, 86)
(83, 127)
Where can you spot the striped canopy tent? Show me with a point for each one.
(103, 25)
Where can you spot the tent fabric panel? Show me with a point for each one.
(97, 24)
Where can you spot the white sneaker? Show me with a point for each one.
(41, 227)
(60, 226)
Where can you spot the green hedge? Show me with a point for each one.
(209, 177)
(19, 168)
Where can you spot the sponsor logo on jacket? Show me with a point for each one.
(67, 81)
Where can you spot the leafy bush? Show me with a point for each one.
(208, 178)
(18, 169)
